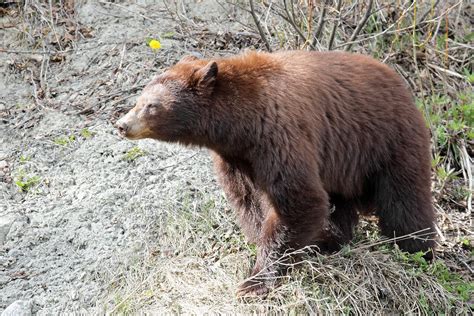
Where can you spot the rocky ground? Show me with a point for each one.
(91, 200)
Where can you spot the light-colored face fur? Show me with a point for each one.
(136, 123)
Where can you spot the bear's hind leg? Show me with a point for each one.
(403, 203)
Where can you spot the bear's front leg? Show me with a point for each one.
(242, 194)
(271, 245)
(299, 218)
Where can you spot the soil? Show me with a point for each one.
(92, 208)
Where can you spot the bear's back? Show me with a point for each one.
(357, 111)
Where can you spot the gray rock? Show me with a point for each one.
(5, 224)
(4, 279)
(3, 168)
(18, 308)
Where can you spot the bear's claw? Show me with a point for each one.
(252, 288)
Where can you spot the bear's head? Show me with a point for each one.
(174, 104)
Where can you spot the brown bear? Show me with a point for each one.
(293, 133)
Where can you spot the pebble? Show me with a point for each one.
(3, 164)
(18, 308)
(3, 167)
(5, 224)
(4, 279)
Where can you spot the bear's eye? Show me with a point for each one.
(151, 105)
(152, 108)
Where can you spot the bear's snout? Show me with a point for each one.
(132, 127)
(122, 127)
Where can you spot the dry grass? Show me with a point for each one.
(201, 257)
(196, 254)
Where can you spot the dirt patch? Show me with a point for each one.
(92, 205)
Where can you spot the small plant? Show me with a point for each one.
(24, 159)
(134, 153)
(24, 181)
(64, 140)
(451, 281)
(469, 76)
(452, 119)
(121, 305)
(86, 133)
(423, 302)
(467, 244)
(23, 106)
(168, 35)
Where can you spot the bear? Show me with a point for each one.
(302, 143)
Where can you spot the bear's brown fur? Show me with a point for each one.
(293, 133)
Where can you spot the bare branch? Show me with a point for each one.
(425, 15)
(319, 29)
(336, 24)
(259, 27)
(292, 22)
(360, 25)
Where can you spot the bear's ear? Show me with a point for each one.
(188, 58)
(157, 78)
(206, 76)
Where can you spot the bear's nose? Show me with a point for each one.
(122, 127)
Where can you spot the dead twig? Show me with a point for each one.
(288, 18)
(467, 163)
(423, 17)
(446, 71)
(360, 25)
(322, 20)
(122, 56)
(336, 24)
(259, 27)
(35, 90)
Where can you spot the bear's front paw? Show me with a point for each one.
(252, 288)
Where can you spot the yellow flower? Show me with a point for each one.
(154, 44)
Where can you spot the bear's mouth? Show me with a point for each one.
(123, 127)
(127, 134)
(122, 133)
